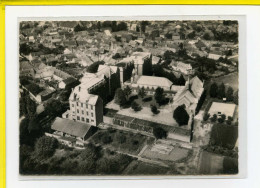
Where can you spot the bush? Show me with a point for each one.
(220, 120)
(154, 109)
(213, 118)
(147, 99)
(106, 139)
(159, 133)
(135, 106)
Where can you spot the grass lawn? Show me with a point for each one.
(142, 168)
(122, 141)
(224, 135)
(211, 164)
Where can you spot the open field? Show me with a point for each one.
(224, 135)
(210, 164)
(122, 141)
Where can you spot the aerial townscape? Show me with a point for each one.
(128, 97)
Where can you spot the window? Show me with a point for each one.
(92, 120)
(82, 111)
(86, 106)
(82, 119)
(91, 114)
(91, 107)
(78, 118)
(81, 104)
(77, 110)
(77, 104)
(87, 120)
(72, 105)
(87, 113)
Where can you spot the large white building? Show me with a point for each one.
(84, 107)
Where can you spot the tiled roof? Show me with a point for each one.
(70, 127)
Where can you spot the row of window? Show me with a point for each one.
(82, 105)
(82, 112)
(83, 119)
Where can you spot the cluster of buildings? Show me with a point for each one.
(128, 57)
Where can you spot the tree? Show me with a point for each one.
(94, 66)
(116, 56)
(25, 49)
(91, 152)
(191, 35)
(221, 91)
(143, 25)
(228, 122)
(214, 118)
(122, 26)
(159, 133)
(154, 109)
(78, 28)
(135, 106)
(127, 91)
(181, 116)
(223, 116)
(55, 108)
(120, 97)
(230, 118)
(206, 116)
(206, 36)
(168, 55)
(235, 97)
(34, 126)
(98, 26)
(142, 92)
(159, 95)
(220, 120)
(213, 92)
(230, 94)
(45, 147)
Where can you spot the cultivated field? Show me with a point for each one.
(121, 141)
(211, 164)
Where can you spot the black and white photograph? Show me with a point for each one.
(128, 97)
